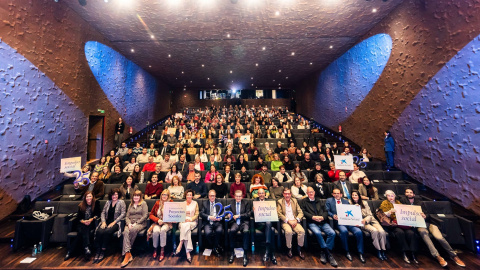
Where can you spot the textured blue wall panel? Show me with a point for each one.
(344, 83)
(447, 110)
(130, 89)
(34, 109)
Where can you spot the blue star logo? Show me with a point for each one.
(343, 161)
(349, 213)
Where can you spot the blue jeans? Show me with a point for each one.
(317, 230)
(344, 236)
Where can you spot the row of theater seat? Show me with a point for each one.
(69, 193)
(59, 227)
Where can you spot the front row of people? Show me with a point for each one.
(290, 214)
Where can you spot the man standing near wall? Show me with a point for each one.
(389, 149)
(119, 128)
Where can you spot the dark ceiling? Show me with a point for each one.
(172, 39)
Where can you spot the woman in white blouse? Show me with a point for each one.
(176, 190)
(172, 173)
(157, 158)
(202, 155)
(299, 190)
(189, 224)
(130, 166)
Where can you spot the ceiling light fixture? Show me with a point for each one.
(152, 36)
(256, 64)
(132, 50)
(264, 48)
(169, 55)
(279, 70)
(374, 10)
(331, 46)
(182, 72)
(231, 71)
(277, 13)
(293, 53)
(228, 35)
(311, 63)
(203, 65)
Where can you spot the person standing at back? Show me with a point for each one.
(119, 128)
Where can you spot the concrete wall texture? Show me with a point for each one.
(425, 35)
(48, 92)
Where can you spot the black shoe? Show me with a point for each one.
(414, 259)
(379, 255)
(273, 258)
(67, 256)
(384, 255)
(300, 253)
(362, 259)
(323, 257)
(265, 257)
(405, 258)
(88, 253)
(231, 258)
(220, 250)
(289, 253)
(349, 257)
(216, 252)
(101, 256)
(95, 259)
(332, 260)
(245, 261)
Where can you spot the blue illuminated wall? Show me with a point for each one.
(447, 110)
(343, 85)
(34, 109)
(130, 89)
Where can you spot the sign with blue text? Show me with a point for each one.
(343, 162)
(265, 211)
(350, 215)
(409, 215)
(174, 211)
(70, 164)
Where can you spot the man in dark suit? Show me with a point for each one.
(344, 186)
(267, 227)
(331, 205)
(317, 220)
(213, 228)
(165, 149)
(242, 211)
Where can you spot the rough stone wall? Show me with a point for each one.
(426, 34)
(54, 91)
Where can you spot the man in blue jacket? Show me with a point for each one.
(331, 205)
(389, 149)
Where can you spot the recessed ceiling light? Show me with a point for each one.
(286, 78)
(279, 70)
(232, 81)
(152, 36)
(256, 64)
(190, 81)
(214, 85)
(251, 78)
(231, 71)
(169, 55)
(132, 50)
(203, 65)
(228, 35)
(185, 85)
(293, 53)
(184, 89)
(252, 84)
(264, 48)
(273, 80)
(149, 66)
(208, 79)
(277, 13)
(279, 84)
(182, 72)
(331, 46)
(374, 10)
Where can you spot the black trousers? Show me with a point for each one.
(406, 238)
(83, 232)
(213, 233)
(232, 232)
(103, 236)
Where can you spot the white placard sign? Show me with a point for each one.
(265, 211)
(343, 162)
(178, 115)
(349, 215)
(245, 139)
(174, 211)
(409, 215)
(171, 131)
(70, 164)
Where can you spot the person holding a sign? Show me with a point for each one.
(190, 223)
(405, 235)
(212, 228)
(242, 211)
(159, 229)
(290, 215)
(371, 225)
(411, 199)
(317, 221)
(331, 205)
(96, 186)
(267, 227)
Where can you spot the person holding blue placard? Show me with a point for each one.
(331, 205)
(213, 228)
(242, 211)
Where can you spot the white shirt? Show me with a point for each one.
(289, 211)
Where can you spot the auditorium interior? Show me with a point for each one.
(388, 85)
